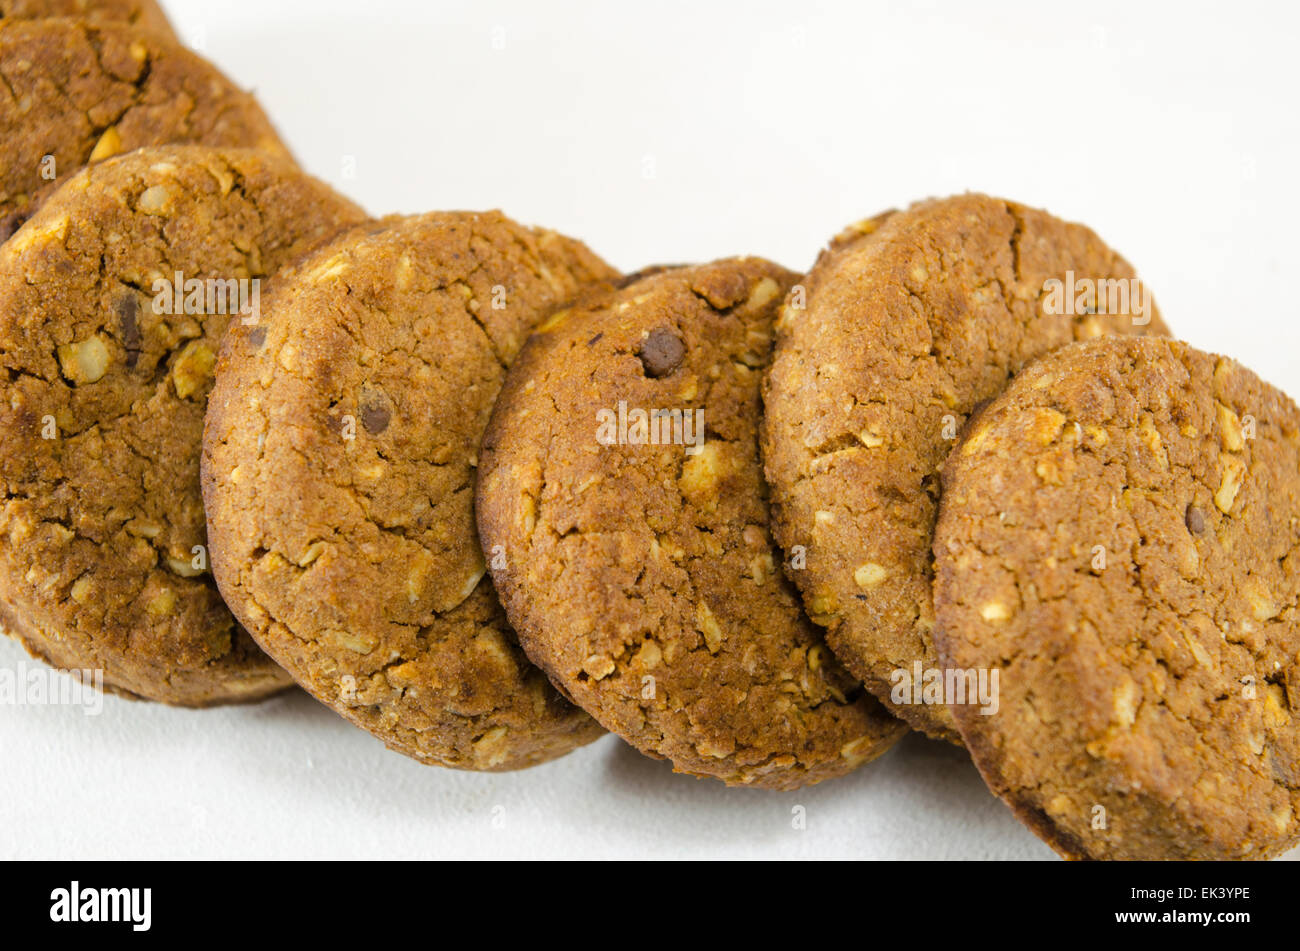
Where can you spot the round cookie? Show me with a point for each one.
(80, 93)
(105, 359)
(1120, 537)
(144, 14)
(339, 470)
(632, 550)
(907, 323)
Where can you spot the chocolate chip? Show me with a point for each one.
(257, 336)
(128, 312)
(662, 352)
(593, 340)
(375, 416)
(1195, 520)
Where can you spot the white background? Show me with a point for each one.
(669, 132)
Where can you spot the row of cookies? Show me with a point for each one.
(624, 511)
(380, 436)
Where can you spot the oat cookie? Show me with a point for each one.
(144, 14)
(1120, 535)
(907, 323)
(78, 93)
(339, 471)
(632, 551)
(105, 360)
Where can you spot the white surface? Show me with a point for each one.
(1171, 130)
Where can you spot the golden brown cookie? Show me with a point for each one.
(622, 506)
(114, 299)
(339, 470)
(79, 93)
(908, 322)
(1119, 536)
(144, 14)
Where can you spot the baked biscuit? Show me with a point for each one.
(114, 298)
(339, 470)
(623, 511)
(1119, 537)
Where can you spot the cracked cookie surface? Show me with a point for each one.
(907, 323)
(144, 14)
(73, 93)
(339, 471)
(642, 577)
(1120, 537)
(102, 533)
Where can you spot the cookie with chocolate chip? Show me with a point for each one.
(143, 14)
(81, 92)
(907, 324)
(622, 504)
(114, 299)
(1119, 538)
(339, 470)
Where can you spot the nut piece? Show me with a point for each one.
(357, 643)
(858, 751)
(1124, 702)
(707, 625)
(598, 666)
(869, 575)
(702, 472)
(155, 200)
(183, 567)
(193, 368)
(995, 611)
(85, 361)
(164, 602)
(492, 748)
(1234, 471)
(109, 144)
(822, 608)
(82, 589)
(1230, 429)
(1263, 606)
(1046, 426)
(764, 292)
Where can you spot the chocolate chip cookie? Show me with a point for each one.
(81, 93)
(145, 14)
(114, 299)
(1119, 536)
(339, 471)
(623, 510)
(907, 323)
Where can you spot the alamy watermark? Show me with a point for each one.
(1109, 296)
(76, 903)
(654, 427)
(946, 686)
(208, 297)
(35, 685)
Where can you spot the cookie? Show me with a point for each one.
(1119, 537)
(143, 14)
(907, 323)
(622, 506)
(80, 93)
(114, 299)
(339, 471)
